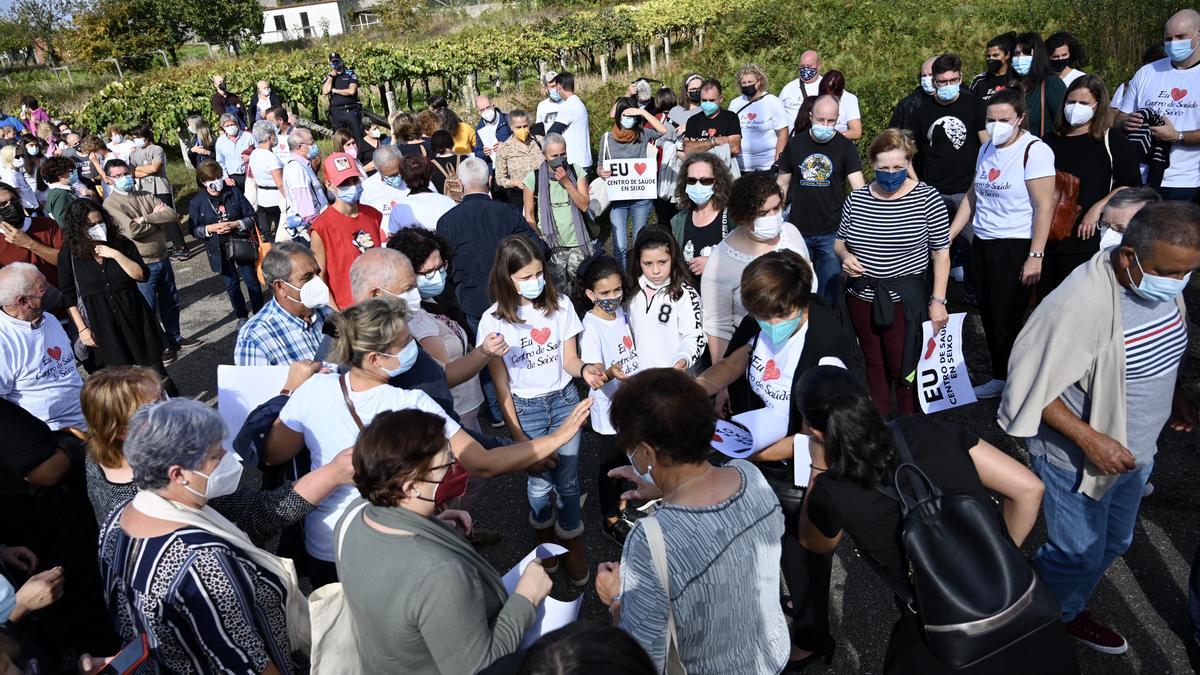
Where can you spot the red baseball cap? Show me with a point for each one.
(339, 166)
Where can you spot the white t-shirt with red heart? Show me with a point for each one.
(535, 346)
(608, 343)
(1003, 208)
(1174, 94)
(760, 121)
(772, 369)
(38, 371)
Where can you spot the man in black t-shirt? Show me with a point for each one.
(813, 173)
(714, 125)
(341, 86)
(949, 130)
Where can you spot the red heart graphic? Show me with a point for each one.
(993, 174)
(1177, 94)
(717, 438)
(751, 116)
(640, 168)
(771, 372)
(712, 132)
(628, 342)
(55, 353)
(540, 335)
(930, 347)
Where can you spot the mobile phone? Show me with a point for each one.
(128, 659)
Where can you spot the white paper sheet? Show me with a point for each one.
(942, 378)
(487, 135)
(551, 614)
(241, 389)
(801, 461)
(767, 425)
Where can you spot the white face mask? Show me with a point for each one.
(1001, 132)
(767, 227)
(488, 115)
(117, 138)
(215, 185)
(18, 162)
(1111, 238)
(98, 233)
(313, 294)
(224, 478)
(32, 150)
(231, 131)
(1078, 114)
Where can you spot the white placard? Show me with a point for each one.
(241, 389)
(942, 378)
(551, 614)
(632, 179)
(749, 432)
(801, 460)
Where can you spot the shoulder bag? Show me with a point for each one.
(334, 645)
(1066, 202)
(658, 555)
(82, 351)
(237, 248)
(598, 200)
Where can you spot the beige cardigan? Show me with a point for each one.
(1074, 336)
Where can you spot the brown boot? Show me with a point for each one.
(545, 535)
(576, 562)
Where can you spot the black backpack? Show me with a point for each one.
(972, 590)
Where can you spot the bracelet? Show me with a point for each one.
(80, 331)
(814, 467)
(1037, 254)
(285, 391)
(934, 298)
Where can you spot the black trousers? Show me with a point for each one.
(610, 489)
(996, 275)
(350, 120)
(268, 221)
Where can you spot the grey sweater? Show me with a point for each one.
(427, 602)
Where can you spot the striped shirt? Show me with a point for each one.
(893, 238)
(1155, 341)
(276, 337)
(1154, 348)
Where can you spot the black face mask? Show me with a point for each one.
(13, 214)
(557, 163)
(694, 96)
(52, 299)
(993, 65)
(1059, 65)
(749, 90)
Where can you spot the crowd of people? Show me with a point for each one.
(431, 282)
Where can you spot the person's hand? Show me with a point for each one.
(721, 403)
(697, 265)
(343, 466)
(18, 558)
(643, 491)
(494, 345)
(1031, 271)
(1165, 131)
(603, 172)
(560, 174)
(1090, 222)
(42, 590)
(542, 465)
(105, 251)
(1108, 455)
(229, 182)
(1134, 122)
(616, 372)
(487, 150)
(608, 581)
(681, 364)
(88, 338)
(571, 426)
(459, 520)
(534, 584)
(299, 372)
(594, 375)
(938, 316)
(92, 665)
(852, 267)
(1183, 413)
(15, 236)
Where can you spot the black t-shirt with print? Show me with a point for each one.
(702, 127)
(947, 138)
(818, 185)
(986, 85)
(698, 242)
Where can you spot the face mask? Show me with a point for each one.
(18, 162)
(1022, 63)
(1000, 132)
(644, 477)
(278, 129)
(609, 305)
(927, 84)
(1179, 50)
(265, 93)
(73, 178)
(699, 194)
(33, 150)
(531, 289)
(407, 357)
(351, 150)
(778, 333)
(313, 152)
(98, 232)
(948, 92)
(231, 131)
(124, 183)
(396, 181)
(117, 138)
(556, 163)
(488, 115)
(890, 181)
(12, 214)
(709, 108)
(1058, 65)
(521, 134)
(431, 287)
(767, 227)
(412, 298)
(822, 133)
(139, 143)
(628, 122)
(1155, 288)
(749, 90)
(215, 185)
(1111, 238)
(223, 480)
(555, 96)
(52, 299)
(1078, 114)
(694, 96)
(452, 485)
(807, 73)
(350, 194)
(376, 133)
(993, 65)
(313, 294)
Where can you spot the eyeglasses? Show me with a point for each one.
(702, 181)
(947, 83)
(430, 274)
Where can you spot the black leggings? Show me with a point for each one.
(268, 220)
(610, 489)
(995, 274)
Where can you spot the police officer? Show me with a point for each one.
(341, 86)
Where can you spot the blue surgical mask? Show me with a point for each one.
(1155, 288)
(1179, 50)
(531, 289)
(822, 133)
(778, 333)
(699, 194)
(555, 96)
(407, 357)
(350, 194)
(1022, 63)
(709, 107)
(890, 181)
(431, 286)
(396, 181)
(948, 92)
(609, 305)
(313, 152)
(124, 183)
(644, 477)
(927, 84)
(628, 122)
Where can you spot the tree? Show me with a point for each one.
(44, 20)
(15, 39)
(223, 22)
(130, 30)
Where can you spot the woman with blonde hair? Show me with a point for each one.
(763, 117)
(12, 172)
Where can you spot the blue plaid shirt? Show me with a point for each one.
(276, 337)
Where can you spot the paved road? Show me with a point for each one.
(1144, 594)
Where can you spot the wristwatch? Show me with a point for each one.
(1179, 138)
(934, 298)
(1037, 254)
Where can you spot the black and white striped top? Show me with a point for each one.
(893, 238)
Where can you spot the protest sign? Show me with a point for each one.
(942, 379)
(631, 179)
(551, 614)
(241, 389)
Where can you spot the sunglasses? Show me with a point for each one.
(702, 181)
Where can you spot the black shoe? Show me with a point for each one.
(188, 342)
(618, 531)
(798, 665)
(170, 354)
(483, 537)
(496, 424)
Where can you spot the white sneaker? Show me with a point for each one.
(956, 273)
(1147, 489)
(990, 389)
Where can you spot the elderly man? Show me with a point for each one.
(264, 100)
(491, 130)
(382, 189)
(232, 149)
(806, 86)
(1119, 210)
(516, 158)
(288, 327)
(303, 191)
(1114, 335)
(225, 102)
(903, 113)
(556, 202)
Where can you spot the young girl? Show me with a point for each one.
(534, 387)
(607, 341)
(665, 313)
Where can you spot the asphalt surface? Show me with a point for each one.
(1143, 595)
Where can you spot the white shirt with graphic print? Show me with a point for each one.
(535, 346)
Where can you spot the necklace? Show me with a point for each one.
(667, 497)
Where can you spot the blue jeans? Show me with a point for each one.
(485, 378)
(1083, 535)
(539, 417)
(163, 298)
(825, 265)
(618, 215)
(1183, 194)
(234, 274)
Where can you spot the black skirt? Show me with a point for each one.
(127, 333)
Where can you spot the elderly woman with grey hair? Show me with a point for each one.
(266, 173)
(231, 148)
(178, 571)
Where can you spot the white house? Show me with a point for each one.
(283, 20)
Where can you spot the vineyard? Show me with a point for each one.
(587, 40)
